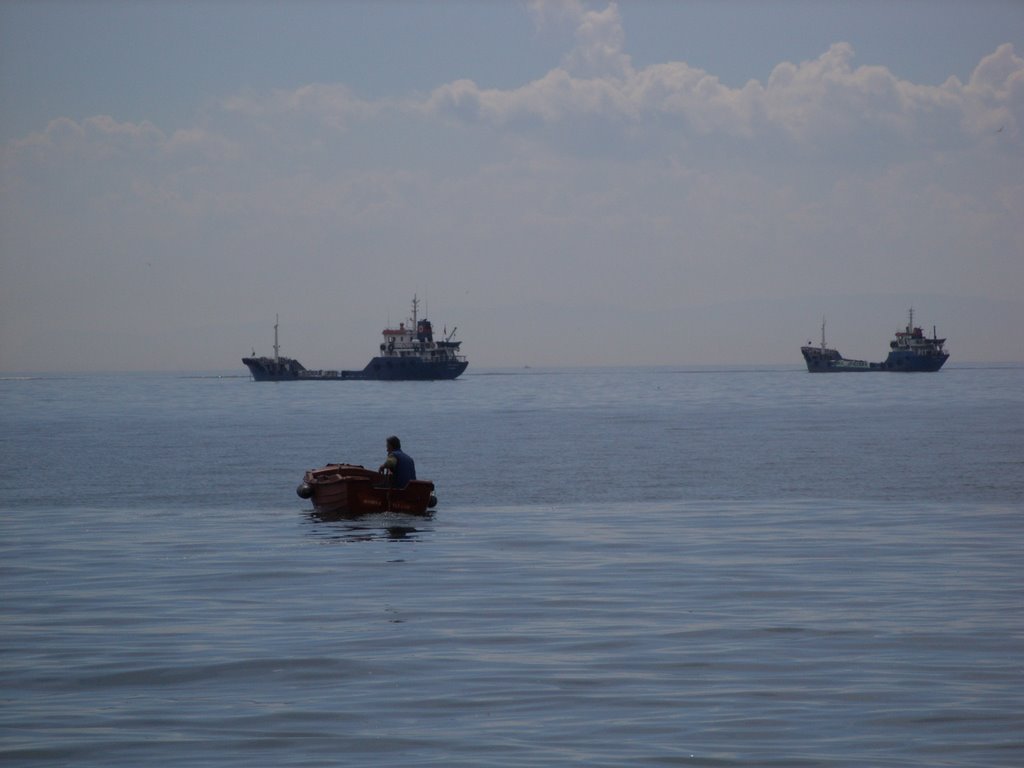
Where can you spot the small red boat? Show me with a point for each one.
(350, 489)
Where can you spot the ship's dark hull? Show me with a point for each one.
(911, 362)
(378, 369)
(269, 369)
(830, 361)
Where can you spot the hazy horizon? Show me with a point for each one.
(568, 183)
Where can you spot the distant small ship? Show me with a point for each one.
(408, 353)
(910, 351)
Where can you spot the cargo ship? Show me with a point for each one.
(910, 351)
(408, 353)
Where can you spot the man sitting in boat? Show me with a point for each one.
(399, 464)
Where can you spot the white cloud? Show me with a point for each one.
(100, 134)
(336, 105)
(552, 13)
(201, 145)
(822, 103)
(995, 93)
(598, 51)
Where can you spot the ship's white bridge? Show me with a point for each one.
(417, 340)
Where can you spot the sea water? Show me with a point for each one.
(646, 567)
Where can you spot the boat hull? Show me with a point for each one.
(352, 490)
(378, 369)
(911, 362)
(830, 361)
(408, 369)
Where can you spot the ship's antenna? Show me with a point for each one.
(276, 319)
(822, 331)
(910, 325)
(415, 305)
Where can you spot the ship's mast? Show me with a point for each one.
(415, 305)
(823, 332)
(276, 319)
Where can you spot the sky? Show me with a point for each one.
(568, 183)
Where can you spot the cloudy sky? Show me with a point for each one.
(569, 183)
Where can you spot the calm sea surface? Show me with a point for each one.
(647, 567)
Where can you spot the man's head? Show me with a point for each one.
(394, 444)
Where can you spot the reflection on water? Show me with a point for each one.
(333, 527)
